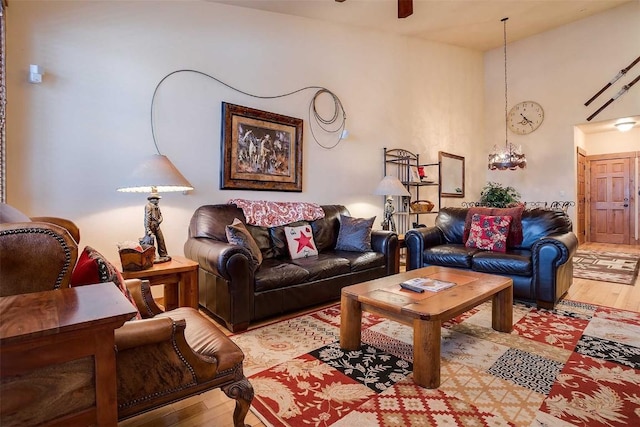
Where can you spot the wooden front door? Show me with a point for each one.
(609, 199)
(581, 227)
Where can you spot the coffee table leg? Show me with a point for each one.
(350, 323)
(426, 353)
(502, 310)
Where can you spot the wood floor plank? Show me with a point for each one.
(214, 408)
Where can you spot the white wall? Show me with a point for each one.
(72, 138)
(612, 142)
(561, 69)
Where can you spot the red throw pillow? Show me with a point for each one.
(515, 230)
(92, 268)
(489, 232)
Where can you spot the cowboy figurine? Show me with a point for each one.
(152, 221)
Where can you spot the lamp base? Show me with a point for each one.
(161, 259)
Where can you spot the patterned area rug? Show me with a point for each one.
(615, 267)
(576, 365)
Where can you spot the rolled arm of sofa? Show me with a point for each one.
(215, 256)
(419, 239)
(550, 257)
(386, 242)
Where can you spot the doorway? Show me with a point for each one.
(610, 197)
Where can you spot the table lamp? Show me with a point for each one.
(154, 175)
(390, 186)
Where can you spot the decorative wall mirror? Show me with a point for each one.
(451, 175)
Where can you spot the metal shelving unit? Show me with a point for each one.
(399, 162)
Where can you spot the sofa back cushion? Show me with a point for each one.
(538, 223)
(451, 222)
(325, 230)
(210, 221)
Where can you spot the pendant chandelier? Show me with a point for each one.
(510, 156)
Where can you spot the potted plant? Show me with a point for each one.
(495, 195)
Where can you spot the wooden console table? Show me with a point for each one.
(57, 357)
(179, 277)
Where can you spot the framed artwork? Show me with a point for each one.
(260, 150)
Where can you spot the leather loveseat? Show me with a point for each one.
(541, 266)
(235, 294)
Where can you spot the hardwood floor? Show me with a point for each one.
(214, 408)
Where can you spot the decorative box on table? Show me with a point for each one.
(135, 260)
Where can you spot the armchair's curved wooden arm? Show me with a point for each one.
(141, 292)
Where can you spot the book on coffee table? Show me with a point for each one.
(421, 284)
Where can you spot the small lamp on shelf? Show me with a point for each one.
(390, 186)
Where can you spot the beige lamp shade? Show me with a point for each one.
(391, 186)
(156, 174)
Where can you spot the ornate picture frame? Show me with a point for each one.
(260, 150)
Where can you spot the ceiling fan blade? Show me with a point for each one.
(405, 8)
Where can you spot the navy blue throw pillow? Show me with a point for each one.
(354, 234)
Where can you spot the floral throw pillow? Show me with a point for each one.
(300, 241)
(489, 232)
(515, 230)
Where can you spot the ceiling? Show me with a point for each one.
(473, 24)
(607, 125)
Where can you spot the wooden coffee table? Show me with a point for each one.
(425, 312)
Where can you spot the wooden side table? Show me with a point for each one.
(400, 260)
(179, 277)
(57, 357)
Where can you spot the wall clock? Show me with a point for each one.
(525, 117)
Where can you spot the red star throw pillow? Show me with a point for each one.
(300, 241)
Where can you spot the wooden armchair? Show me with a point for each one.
(163, 358)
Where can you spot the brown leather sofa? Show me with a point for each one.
(165, 357)
(233, 293)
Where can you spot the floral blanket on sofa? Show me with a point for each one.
(272, 214)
